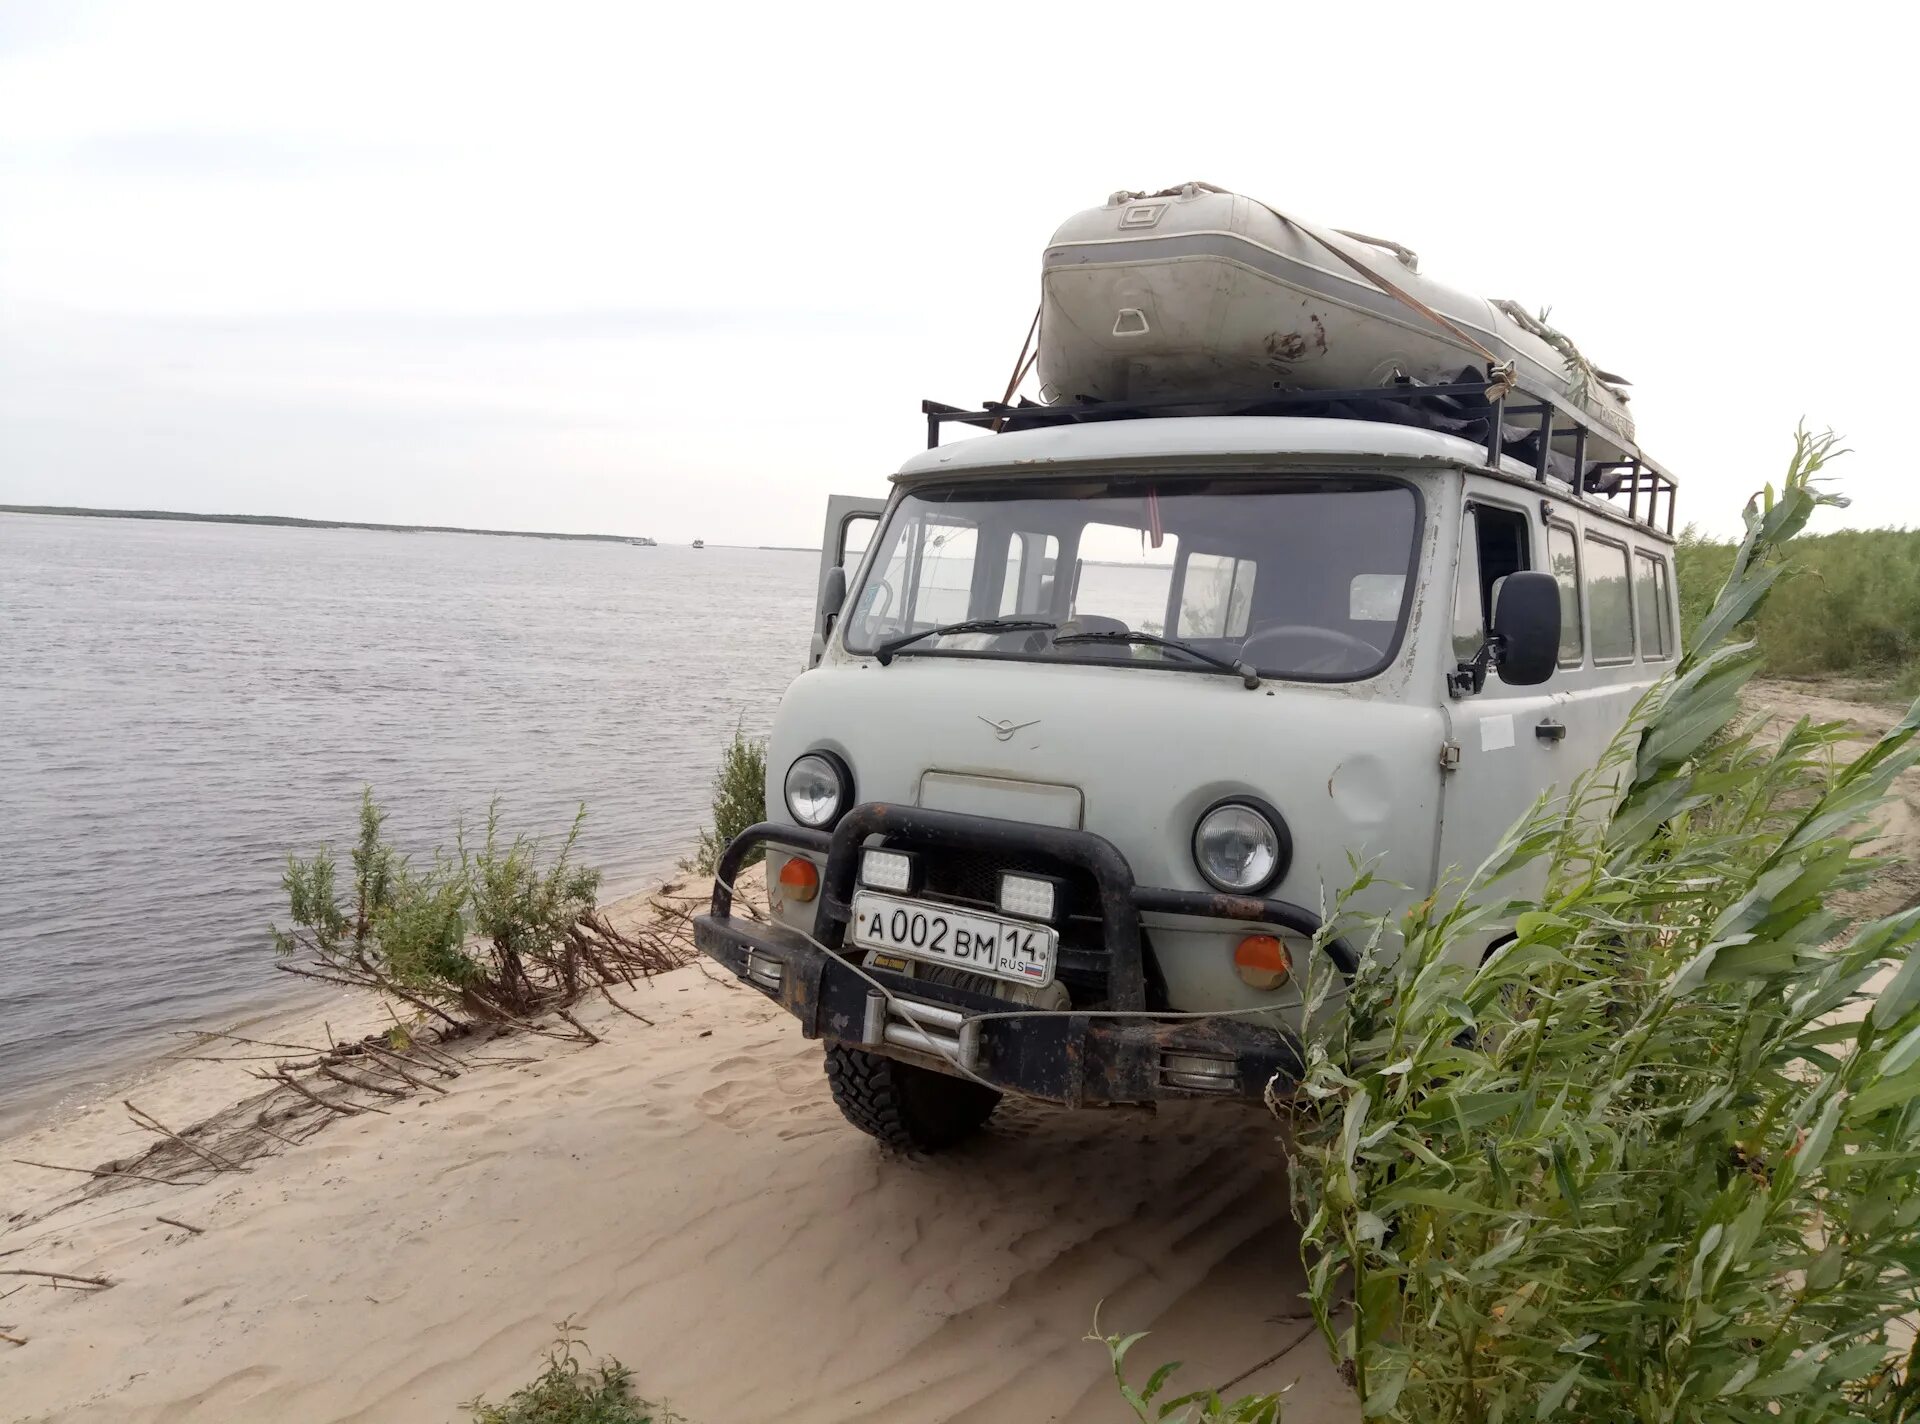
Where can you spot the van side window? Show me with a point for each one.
(1563, 552)
(1493, 544)
(1609, 600)
(1651, 608)
(1216, 597)
(856, 534)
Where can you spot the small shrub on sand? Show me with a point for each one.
(495, 931)
(568, 1392)
(525, 913)
(739, 800)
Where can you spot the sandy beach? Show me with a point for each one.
(687, 1195)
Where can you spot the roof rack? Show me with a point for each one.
(1538, 429)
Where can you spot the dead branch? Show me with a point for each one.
(260, 1123)
(105, 1175)
(12, 1339)
(395, 1064)
(184, 1226)
(344, 1109)
(585, 1032)
(153, 1124)
(327, 1070)
(377, 982)
(99, 1282)
(607, 994)
(437, 1054)
(203, 1034)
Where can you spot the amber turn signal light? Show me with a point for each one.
(799, 880)
(1262, 962)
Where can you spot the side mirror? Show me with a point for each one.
(833, 593)
(1526, 628)
(1525, 642)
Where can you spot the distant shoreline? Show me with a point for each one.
(289, 521)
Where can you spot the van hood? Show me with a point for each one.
(1148, 750)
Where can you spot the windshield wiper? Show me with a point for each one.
(884, 653)
(1244, 671)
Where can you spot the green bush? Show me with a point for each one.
(491, 931)
(523, 912)
(566, 1392)
(1850, 606)
(1657, 1158)
(739, 801)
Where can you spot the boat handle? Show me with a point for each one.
(1549, 730)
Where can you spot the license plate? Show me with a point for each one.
(938, 934)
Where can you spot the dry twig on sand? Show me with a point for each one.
(106, 1173)
(97, 1282)
(153, 1124)
(344, 1109)
(327, 1070)
(607, 994)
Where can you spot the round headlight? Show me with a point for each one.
(817, 790)
(1240, 848)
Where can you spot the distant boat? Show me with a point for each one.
(641, 543)
(699, 543)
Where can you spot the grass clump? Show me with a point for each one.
(1656, 1158)
(1202, 1406)
(739, 801)
(570, 1392)
(493, 931)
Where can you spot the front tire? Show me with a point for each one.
(910, 1109)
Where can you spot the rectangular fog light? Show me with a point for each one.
(1031, 897)
(1196, 1071)
(887, 870)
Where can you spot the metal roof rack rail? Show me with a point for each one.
(1539, 430)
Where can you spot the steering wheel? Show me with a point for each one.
(1337, 642)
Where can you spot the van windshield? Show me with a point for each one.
(1304, 577)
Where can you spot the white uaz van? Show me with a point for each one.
(1115, 696)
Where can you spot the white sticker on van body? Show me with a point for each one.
(1496, 733)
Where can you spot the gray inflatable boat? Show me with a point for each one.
(1196, 292)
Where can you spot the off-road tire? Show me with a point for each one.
(911, 1109)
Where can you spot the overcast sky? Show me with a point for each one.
(682, 270)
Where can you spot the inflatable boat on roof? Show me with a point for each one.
(1198, 301)
(1197, 292)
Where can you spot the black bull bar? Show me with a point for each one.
(1064, 1056)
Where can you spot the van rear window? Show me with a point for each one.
(1651, 606)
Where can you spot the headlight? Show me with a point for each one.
(819, 788)
(1241, 847)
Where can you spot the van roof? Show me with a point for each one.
(1059, 449)
(1177, 437)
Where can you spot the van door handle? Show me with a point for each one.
(1548, 730)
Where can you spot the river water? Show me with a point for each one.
(182, 704)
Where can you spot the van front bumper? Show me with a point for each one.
(1067, 1057)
